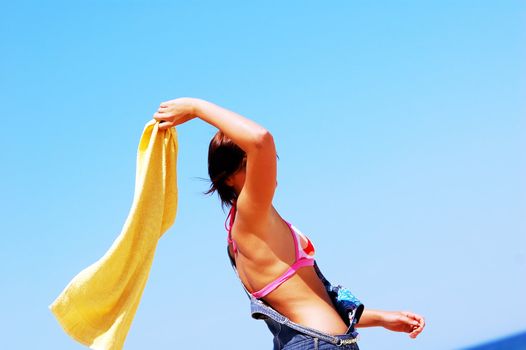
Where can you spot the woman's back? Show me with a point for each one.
(264, 254)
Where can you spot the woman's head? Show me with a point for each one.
(225, 159)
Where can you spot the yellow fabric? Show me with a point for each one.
(97, 307)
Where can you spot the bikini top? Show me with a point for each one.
(304, 255)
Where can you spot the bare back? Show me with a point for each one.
(266, 254)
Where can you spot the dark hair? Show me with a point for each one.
(224, 159)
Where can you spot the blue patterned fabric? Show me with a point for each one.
(348, 306)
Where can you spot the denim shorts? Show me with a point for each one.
(292, 336)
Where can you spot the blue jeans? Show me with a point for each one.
(292, 336)
(290, 339)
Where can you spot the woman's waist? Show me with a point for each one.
(316, 315)
(305, 301)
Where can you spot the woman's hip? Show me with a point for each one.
(291, 339)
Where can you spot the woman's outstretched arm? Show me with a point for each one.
(397, 321)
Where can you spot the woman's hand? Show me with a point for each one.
(175, 112)
(403, 321)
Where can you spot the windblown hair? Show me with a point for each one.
(224, 159)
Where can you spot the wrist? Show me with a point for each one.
(378, 317)
(382, 317)
(371, 318)
(194, 105)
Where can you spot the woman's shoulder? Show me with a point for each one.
(259, 223)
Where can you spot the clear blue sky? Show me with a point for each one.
(400, 127)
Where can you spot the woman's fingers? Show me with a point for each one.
(407, 321)
(163, 108)
(420, 320)
(165, 125)
(172, 114)
(415, 333)
(159, 116)
(418, 323)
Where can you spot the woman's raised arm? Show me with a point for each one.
(255, 140)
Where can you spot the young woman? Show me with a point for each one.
(273, 259)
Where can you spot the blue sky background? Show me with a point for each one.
(400, 127)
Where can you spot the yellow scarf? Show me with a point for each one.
(97, 307)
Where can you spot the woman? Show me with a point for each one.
(273, 259)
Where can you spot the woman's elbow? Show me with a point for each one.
(263, 139)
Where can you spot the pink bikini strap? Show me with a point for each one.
(230, 217)
(295, 239)
(281, 279)
(300, 261)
